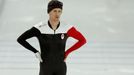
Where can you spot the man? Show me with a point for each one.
(52, 36)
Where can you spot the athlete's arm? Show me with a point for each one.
(78, 36)
(33, 32)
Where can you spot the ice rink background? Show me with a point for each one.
(106, 24)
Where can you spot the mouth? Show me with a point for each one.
(57, 17)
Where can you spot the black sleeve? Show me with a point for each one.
(33, 32)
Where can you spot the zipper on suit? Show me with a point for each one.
(54, 31)
(54, 34)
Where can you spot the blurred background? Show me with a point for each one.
(106, 24)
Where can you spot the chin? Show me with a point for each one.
(57, 19)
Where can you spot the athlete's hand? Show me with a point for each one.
(65, 57)
(38, 56)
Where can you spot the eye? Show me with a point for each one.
(55, 11)
(59, 11)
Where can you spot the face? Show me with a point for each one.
(55, 14)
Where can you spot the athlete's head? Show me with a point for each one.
(54, 9)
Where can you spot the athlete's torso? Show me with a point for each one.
(52, 43)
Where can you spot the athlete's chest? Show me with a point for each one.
(50, 35)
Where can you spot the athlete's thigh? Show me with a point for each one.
(45, 69)
(61, 69)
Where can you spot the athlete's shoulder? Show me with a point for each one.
(40, 24)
